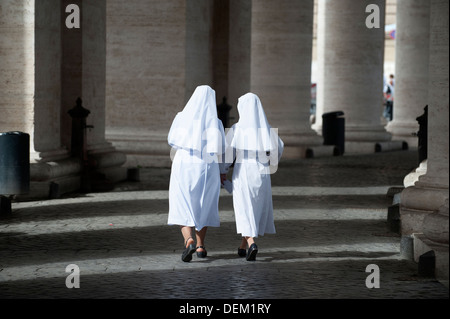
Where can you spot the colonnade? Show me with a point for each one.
(135, 65)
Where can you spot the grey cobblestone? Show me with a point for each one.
(330, 215)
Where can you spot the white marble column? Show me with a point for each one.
(420, 203)
(280, 68)
(350, 77)
(411, 68)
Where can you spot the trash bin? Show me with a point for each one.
(14, 163)
(333, 130)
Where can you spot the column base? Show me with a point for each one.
(154, 151)
(107, 170)
(307, 151)
(48, 156)
(422, 245)
(426, 221)
(405, 132)
(354, 133)
(416, 202)
(146, 150)
(368, 140)
(360, 147)
(51, 179)
(413, 177)
(304, 145)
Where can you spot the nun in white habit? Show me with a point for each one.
(198, 137)
(256, 149)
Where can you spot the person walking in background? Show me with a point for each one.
(198, 137)
(388, 92)
(255, 147)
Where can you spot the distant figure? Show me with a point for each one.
(388, 92)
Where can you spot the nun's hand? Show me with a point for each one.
(223, 178)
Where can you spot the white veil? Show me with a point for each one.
(197, 126)
(252, 132)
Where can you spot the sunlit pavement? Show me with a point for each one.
(330, 216)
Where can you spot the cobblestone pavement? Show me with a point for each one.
(330, 215)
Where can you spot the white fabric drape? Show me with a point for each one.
(252, 132)
(252, 190)
(197, 126)
(194, 188)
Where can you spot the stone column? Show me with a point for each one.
(17, 66)
(31, 40)
(30, 90)
(239, 53)
(83, 71)
(157, 53)
(350, 58)
(108, 161)
(47, 101)
(280, 69)
(411, 68)
(427, 197)
(36, 87)
(220, 47)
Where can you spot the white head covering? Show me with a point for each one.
(197, 126)
(253, 132)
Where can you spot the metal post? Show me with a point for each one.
(79, 141)
(422, 134)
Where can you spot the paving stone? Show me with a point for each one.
(331, 220)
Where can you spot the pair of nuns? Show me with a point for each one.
(201, 163)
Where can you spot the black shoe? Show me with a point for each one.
(187, 253)
(252, 251)
(242, 252)
(201, 254)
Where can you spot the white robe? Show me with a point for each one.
(193, 191)
(256, 149)
(252, 192)
(198, 136)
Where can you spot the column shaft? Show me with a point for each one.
(411, 68)
(158, 52)
(280, 67)
(17, 72)
(424, 206)
(350, 58)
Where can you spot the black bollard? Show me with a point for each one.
(79, 142)
(422, 134)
